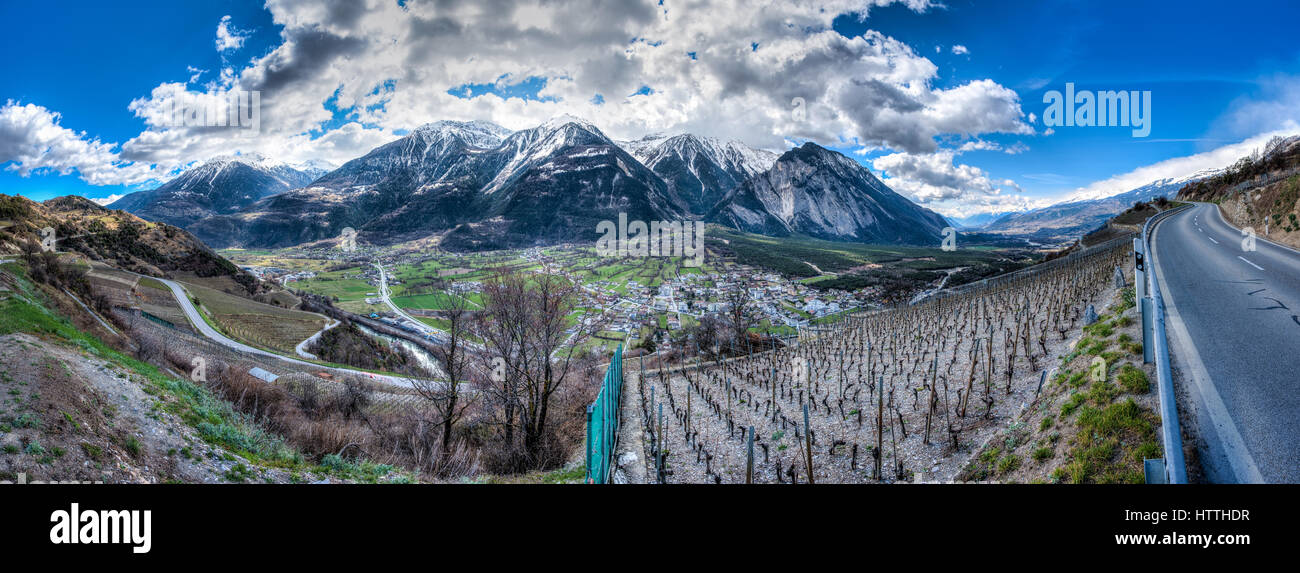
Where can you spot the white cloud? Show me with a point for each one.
(1277, 103)
(106, 201)
(1179, 166)
(870, 89)
(960, 50)
(936, 177)
(389, 67)
(229, 37)
(32, 141)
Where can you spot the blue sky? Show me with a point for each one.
(1218, 74)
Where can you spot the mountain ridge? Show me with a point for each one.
(476, 185)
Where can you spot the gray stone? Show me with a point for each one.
(1119, 278)
(1089, 315)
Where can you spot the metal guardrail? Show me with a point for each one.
(1174, 470)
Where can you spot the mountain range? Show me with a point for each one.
(479, 186)
(817, 192)
(1070, 220)
(218, 187)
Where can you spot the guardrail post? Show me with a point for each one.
(1139, 267)
(1148, 330)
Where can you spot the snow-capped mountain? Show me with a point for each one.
(554, 182)
(559, 181)
(817, 192)
(1078, 217)
(979, 220)
(699, 170)
(223, 185)
(480, 134)
(481, 186)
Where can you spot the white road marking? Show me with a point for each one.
(1250, 263)
(1230, 444)
(1212, 239)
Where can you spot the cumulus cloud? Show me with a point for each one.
(984, 145)
(229, 37)
(937, 178)
(392, 66)
(106, 201)
(33, 141)
(960, 50)
(383, 67)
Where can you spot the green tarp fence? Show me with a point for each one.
(603, 422)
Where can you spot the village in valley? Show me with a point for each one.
(630, 298)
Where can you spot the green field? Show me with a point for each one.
(338, 284)
(436, 301)
(263, 325)
(862, 265)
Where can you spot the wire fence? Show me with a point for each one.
(603, 421)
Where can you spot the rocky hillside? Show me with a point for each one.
(817, 192)
(115, 237)
(699, 171)
(1261, 191)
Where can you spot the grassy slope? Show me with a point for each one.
(1089, 426)
(215, 419)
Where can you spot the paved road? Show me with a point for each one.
(384, 294)
(196, 319)
(423, 328)
(1234, 328)
(301, 348)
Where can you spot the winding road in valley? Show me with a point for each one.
(192, 313)
(1234, 331)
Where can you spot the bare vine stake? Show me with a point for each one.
(749, 462)
(880, 423)
(807, 434)
(659, 451)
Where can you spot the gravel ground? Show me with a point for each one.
(708, 445)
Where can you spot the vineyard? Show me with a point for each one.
(910, 391)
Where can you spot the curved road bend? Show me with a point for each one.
(196, 319)
(1234, 327)
(440, 335)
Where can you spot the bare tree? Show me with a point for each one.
(448, 399)
(739, 315)
(531, 351)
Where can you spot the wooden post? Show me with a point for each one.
(749, 462)
(807, 435)
(880, 424)
(688, 406)
(728, 396)
(659, 449)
